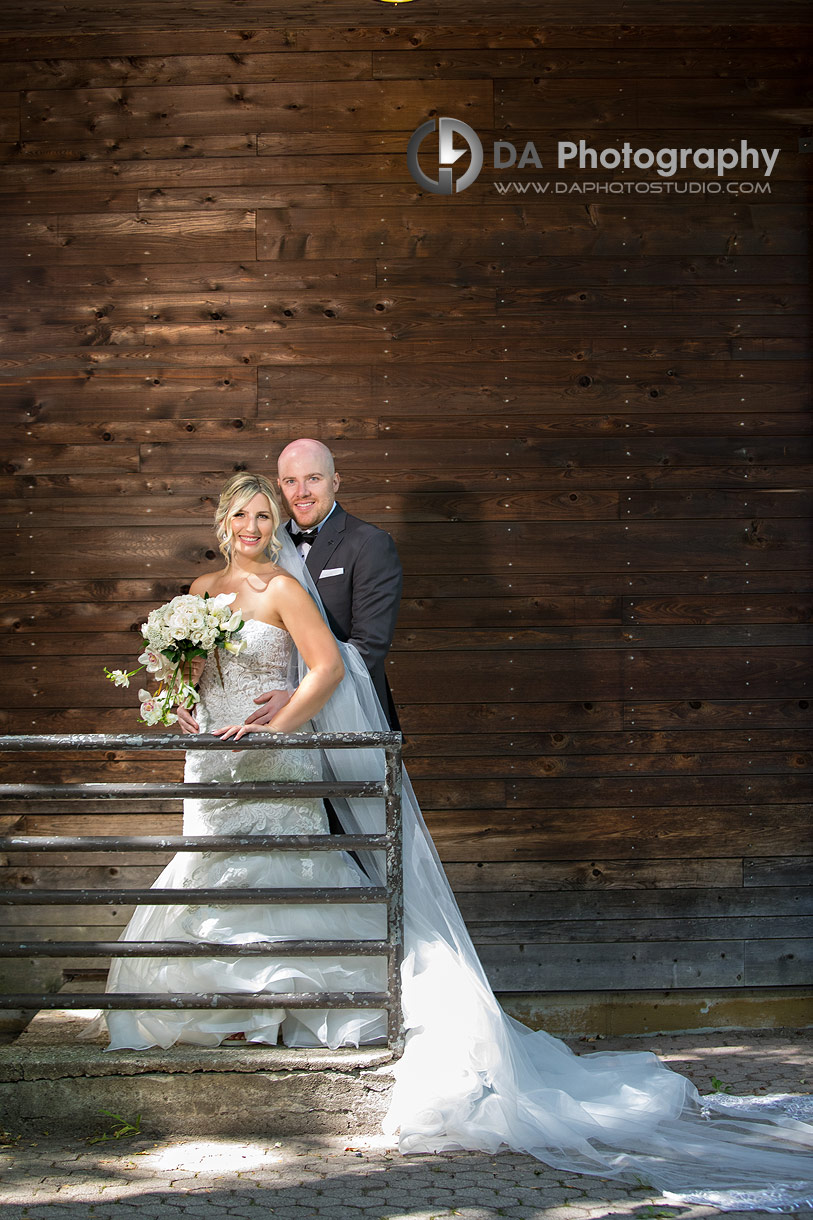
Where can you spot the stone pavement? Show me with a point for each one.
(139, 1177)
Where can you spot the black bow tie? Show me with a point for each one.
(305, 536)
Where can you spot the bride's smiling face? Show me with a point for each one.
(252, 527)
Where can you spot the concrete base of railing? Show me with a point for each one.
(52, 1082)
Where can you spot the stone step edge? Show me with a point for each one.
(52, 1048)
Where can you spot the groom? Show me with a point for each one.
(354, 565)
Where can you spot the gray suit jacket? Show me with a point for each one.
(356, 569)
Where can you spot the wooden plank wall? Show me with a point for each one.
(584, 420)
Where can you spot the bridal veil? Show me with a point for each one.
(471, 1077)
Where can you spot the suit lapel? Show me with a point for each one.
(330, 535)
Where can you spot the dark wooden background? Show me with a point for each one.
(583, 419)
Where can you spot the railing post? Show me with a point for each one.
(395, 893)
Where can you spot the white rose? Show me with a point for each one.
(177, 627)
(195, 624)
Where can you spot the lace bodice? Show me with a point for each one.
(261, 666)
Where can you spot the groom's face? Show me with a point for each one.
(308, 485)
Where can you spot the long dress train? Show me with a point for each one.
(471, 1077)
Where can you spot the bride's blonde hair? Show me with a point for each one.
(235, 495)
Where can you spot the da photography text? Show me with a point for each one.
(665, 161)
(589, 187)
(444, 174)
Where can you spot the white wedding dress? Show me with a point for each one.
(261, 667)
(471, 1077)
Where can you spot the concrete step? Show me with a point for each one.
(55, 1078)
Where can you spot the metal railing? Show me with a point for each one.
(391, 894)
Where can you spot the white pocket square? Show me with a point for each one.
(331, 572)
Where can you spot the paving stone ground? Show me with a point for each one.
(136, 1177)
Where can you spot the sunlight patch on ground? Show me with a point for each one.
(215, 1156)
(221, 1155)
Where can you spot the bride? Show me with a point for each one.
(471, 1077)
(280, 617)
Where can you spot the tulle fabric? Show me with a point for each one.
(471, 1077)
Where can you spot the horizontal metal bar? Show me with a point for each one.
(225, 999)
(171, 794)
(206, 897)
(151, 792)
(100, 843)
(199, 741)
(203, 948)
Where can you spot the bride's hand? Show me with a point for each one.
(237, 731)
(186, 721)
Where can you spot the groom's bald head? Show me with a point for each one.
(309, 450)
(307, 479)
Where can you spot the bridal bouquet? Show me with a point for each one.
(187, 627)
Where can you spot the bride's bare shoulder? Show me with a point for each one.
(207, 583)
(283, 585)
(284, 596)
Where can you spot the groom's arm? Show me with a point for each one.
(375, 597)
(271, 702)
